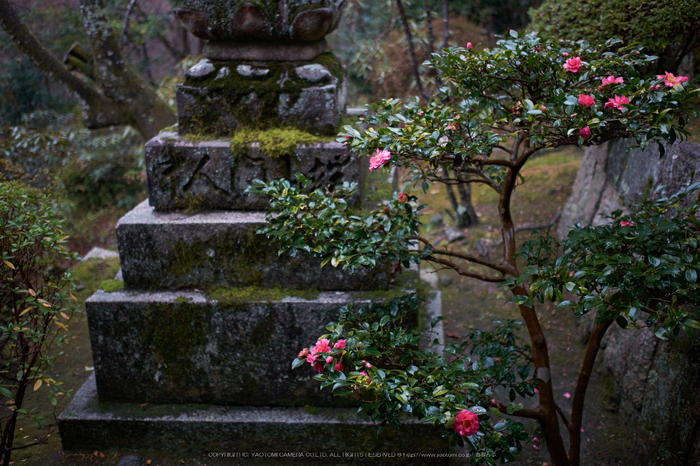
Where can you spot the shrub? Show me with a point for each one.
(499, 108)
(665, 28)
(35, 301)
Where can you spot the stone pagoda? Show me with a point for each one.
(194, 354)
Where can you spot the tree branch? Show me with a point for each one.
(499, 268)
(411, 50)
(100, 111)
(463, 272)
(580, 392)
(125, 24)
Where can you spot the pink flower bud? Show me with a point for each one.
(329, 360)
(469, 45)
(585, 132)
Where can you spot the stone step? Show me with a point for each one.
(205, 175)
(234, 348)
(246, 435)
(174, 250)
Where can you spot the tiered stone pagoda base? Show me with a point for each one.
(248, 435)
(173, 250)
(232, 349)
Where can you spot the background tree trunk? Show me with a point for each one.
(119, 95)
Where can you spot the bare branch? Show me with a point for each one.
(411, 50)
(125, 24)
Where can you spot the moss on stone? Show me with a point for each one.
(175, 331)
(274, 142)
(198, 137)
(234, 92)
(169, 129)
(111, 286)
(247, 294)
(182, 299)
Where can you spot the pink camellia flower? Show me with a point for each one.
(573, 65)
(338, 366)
(624, 223)
(402, 197)
(311, 358)
(329, 359)
(617, 103)
(543, 108)
(380, 159)
(469, 45)
(567, 395)
(670, 80)
(340, 345)
(466, 423)
(586, 100)
(611, 80)
(565, 54)
(585, 132)
(322, 346)
(303, 353)
(319, 367)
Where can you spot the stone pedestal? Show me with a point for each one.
(235, 435)
(174, 250)
(204, 175)
(195, 353)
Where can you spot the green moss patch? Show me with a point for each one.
(254, 293)
(111, 286)
(275, 142)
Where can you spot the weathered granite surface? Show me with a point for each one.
(264, 51)
(209, 175)
(174, 250)
(655, 387)
(219, 98)
(185, 347)
(204, 430)
(611, 178)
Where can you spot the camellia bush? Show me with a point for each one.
(497, 109)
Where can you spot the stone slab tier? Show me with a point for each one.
(184, 174)
(220, 98)
(174, 250)
(230, 348)
(246, 435)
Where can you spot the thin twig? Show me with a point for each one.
(125, 24)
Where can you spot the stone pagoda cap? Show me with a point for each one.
(266, 20)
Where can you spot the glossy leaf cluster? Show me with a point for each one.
(385, 365)
(639, 270)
